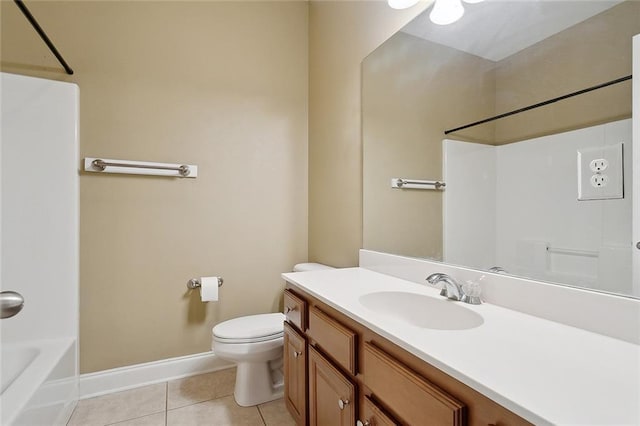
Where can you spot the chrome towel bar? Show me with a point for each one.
(401, 183)
(140, 167)
(102, 165)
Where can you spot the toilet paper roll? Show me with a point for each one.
(209, 289)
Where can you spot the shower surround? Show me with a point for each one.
(39, 257)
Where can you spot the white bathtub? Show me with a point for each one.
(39, 382)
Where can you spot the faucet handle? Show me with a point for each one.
(471, 292)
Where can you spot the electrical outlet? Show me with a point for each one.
(600, 174)
(598, 165)
(599, 180)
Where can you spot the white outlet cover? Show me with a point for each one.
(606, 184)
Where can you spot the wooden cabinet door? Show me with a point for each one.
(372, 415)
(331, 394)
(295, 374)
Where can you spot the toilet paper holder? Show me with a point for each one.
(194, 283)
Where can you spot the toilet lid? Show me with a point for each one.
(252, 327)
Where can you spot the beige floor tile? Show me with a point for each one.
(119, 406)
(275, 413)
(152, 420)
(219, 412)
(200, 388)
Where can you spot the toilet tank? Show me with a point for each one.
(303, 267)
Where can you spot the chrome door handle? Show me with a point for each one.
(296, 354)
(342, 403)
(11, 303)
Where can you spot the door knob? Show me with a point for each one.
(361, 423)
(342, 403)
(638, 245)
(296, 354)
(11, 303)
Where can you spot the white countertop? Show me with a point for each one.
(546, 372)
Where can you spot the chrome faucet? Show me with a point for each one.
(470, 293)
(451, 288)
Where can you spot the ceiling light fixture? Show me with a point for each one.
(401, 4)
(444, 12)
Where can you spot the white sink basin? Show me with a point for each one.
(422, 311)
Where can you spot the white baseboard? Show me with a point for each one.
(133, 376)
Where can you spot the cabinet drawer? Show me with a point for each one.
(294, 309)
(336, 340)
(372, 415)
(412, 398)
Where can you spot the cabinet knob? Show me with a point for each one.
(342, 403)
(296, 354)
(361, 423)
(288, 309)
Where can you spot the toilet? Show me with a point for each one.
(255, 344)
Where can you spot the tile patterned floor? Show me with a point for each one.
(206, 399)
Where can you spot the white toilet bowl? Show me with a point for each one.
(255, 343)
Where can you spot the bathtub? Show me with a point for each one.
(39, 382)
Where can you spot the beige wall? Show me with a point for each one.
(412, 93)
(341, 35)
(217, 84)
(590, 53)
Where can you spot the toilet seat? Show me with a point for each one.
(250, 329)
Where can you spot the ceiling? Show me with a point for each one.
(496, 29)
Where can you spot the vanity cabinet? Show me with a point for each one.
(355, 376)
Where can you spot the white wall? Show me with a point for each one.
(40, 206)
(536, 207)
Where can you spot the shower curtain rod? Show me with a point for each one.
(540, 104)
(43, 35)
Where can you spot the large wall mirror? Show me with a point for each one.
(544, 193)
